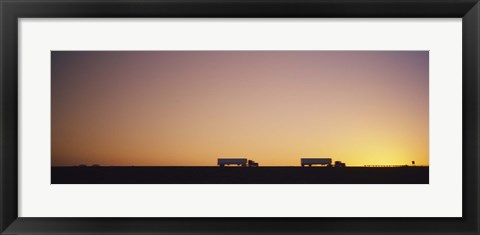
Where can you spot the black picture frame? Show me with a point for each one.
(12, 10)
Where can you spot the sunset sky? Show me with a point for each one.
(188, 108)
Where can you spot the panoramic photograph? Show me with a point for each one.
(239, 117)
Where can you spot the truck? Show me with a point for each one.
(236, 161)
(252, 163)
(339, 164)
(316, 161)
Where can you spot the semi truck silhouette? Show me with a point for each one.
(320, 161)
(236, 161)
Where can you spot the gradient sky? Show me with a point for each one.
(188, 108)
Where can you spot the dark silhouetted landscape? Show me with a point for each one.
(239, 175)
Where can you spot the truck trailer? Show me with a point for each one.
(236, 161)
(316, 161)
(232, 161)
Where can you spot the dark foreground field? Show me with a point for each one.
(238, 175)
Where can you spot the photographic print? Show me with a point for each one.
(240, 117)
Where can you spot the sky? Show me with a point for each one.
(188, 108)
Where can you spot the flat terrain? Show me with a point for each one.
(239, 175)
